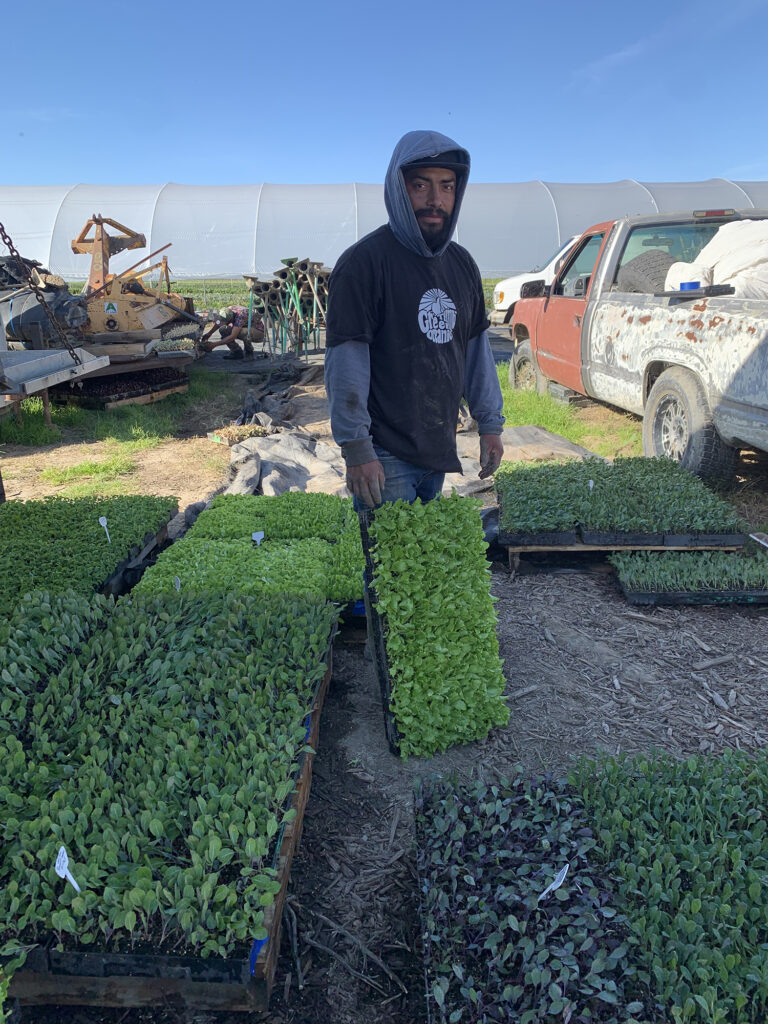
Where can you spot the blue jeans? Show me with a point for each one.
(405, 481)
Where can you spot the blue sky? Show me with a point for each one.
(306, 92)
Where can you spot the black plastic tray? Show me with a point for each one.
(376, 629)
(626, 538)
(555, 538)
(694, 597)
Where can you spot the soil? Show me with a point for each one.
(585, 671)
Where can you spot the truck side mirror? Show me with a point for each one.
(534, 290)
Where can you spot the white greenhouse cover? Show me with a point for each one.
(230, 230)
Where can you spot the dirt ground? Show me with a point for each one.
(585, 672)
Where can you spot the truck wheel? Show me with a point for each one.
(678, 423)
(646, 272)
(522, 368)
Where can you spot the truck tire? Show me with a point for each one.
(522, 368)
(678, 423)
(524, 373)
(646, 272)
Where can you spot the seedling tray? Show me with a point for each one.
(695, 597)
(376, 630)
(623, 538)
(550, 538)
(178, 982)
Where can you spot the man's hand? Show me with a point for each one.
(366, 482)
(491, 454)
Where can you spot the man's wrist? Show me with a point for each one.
(359, 451)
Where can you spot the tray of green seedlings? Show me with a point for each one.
(328, 524)
(693, 577)
(686, 844)
(520, 920)
(437, 653)
(539, 504)
(294, 515)
(164, 745)
(655, 503)
(81, 544)
(634, 502)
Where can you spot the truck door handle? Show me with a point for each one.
(577, 320)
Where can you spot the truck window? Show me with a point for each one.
(580, 265)
(683, 242)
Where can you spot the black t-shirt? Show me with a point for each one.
(417, 314)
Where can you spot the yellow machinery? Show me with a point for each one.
(120, 305)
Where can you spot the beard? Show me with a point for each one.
(435, 236)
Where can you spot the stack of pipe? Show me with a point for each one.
(292, 303)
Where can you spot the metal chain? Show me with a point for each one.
(38, 294)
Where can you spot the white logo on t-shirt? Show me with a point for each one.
(437, 316)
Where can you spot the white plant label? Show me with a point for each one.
(103, 522)
(177, 583)
(591, 485)
(62, 868)
(258, 537)
(558, 881)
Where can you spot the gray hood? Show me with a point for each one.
(402, 219)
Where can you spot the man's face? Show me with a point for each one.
(432, 192)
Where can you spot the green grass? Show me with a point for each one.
(618, 434)
(133, 427)
(120, 464)
(217, 292)
(489, 283)
(98, 488)
(207, 294)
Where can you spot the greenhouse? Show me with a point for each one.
(226, 231)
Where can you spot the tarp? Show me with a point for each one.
(230, 230)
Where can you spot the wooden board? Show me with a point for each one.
(148, 399)
(211, 984)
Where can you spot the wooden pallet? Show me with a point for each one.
(148, 398)
(175, 982)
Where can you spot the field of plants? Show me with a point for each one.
(75, 544)
(633, 892)
(126, 726)
(125, 729)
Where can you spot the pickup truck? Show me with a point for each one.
(693, 363)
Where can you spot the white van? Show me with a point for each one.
(507, 292)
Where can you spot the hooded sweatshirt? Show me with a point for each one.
(406, 331)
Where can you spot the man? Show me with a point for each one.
(232, 323)
(406, 336)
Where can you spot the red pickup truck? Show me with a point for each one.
(693, 363)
